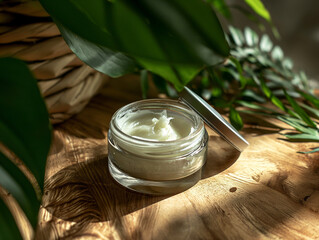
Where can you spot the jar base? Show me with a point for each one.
(153, 187)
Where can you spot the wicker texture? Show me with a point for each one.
(66, 83)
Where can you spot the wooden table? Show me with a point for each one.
(268, 192)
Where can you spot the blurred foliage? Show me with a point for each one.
(256, 5)
(25, 135)
(255, 11)
(258, 74)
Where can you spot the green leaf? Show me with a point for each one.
(303, 137)
(235, 119)
(237, 36)
(114, 64)
(256, 106)
(265, 43)
(167, 30)
(252, 17)
(277, 53)
(216, 78)
(160, 83)
(221, 7)
(24, 120)
(216, 92)
(173, 31)
(256, 113)
(15, 182)
(243, 80)
(247, 93)
(8, 227)
(259, 8)
(301, 113)
(173, 34)
(163, 86)
(232, 72)
(205, 80)
(278, 79)
(287, 63)
(281, 93)
(87, 19)
(312, 110)
(312, 151)
(251, 37)
(179, 75)
(297, 124)
(144, 83)
(274, 30)
(272, 98)
(312, 99)
(304, 81)
(220, 103)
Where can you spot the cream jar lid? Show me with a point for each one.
(213, 119)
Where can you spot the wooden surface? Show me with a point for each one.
(267, 192)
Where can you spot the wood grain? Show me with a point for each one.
(267, 192)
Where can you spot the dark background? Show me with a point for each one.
(298, 25)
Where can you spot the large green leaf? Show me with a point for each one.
(145, 28)
(114, 64)
(8, 228)
(24, 121)
(14, 181)
(88, 19)
(179, 75)
(175, 35)
(177, 31)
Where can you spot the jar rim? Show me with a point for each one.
(199, 125)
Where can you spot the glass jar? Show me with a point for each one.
(157, 167)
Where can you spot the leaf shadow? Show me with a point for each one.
(86, 192)
(221, 155)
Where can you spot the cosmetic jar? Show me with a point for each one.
(166, 161)
(159, 146)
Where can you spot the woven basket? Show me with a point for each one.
(66, 83)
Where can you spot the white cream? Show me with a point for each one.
(156, 146)
(150, 125)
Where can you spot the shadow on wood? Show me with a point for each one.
(267, 192)
(86, 192)
(221, 155)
